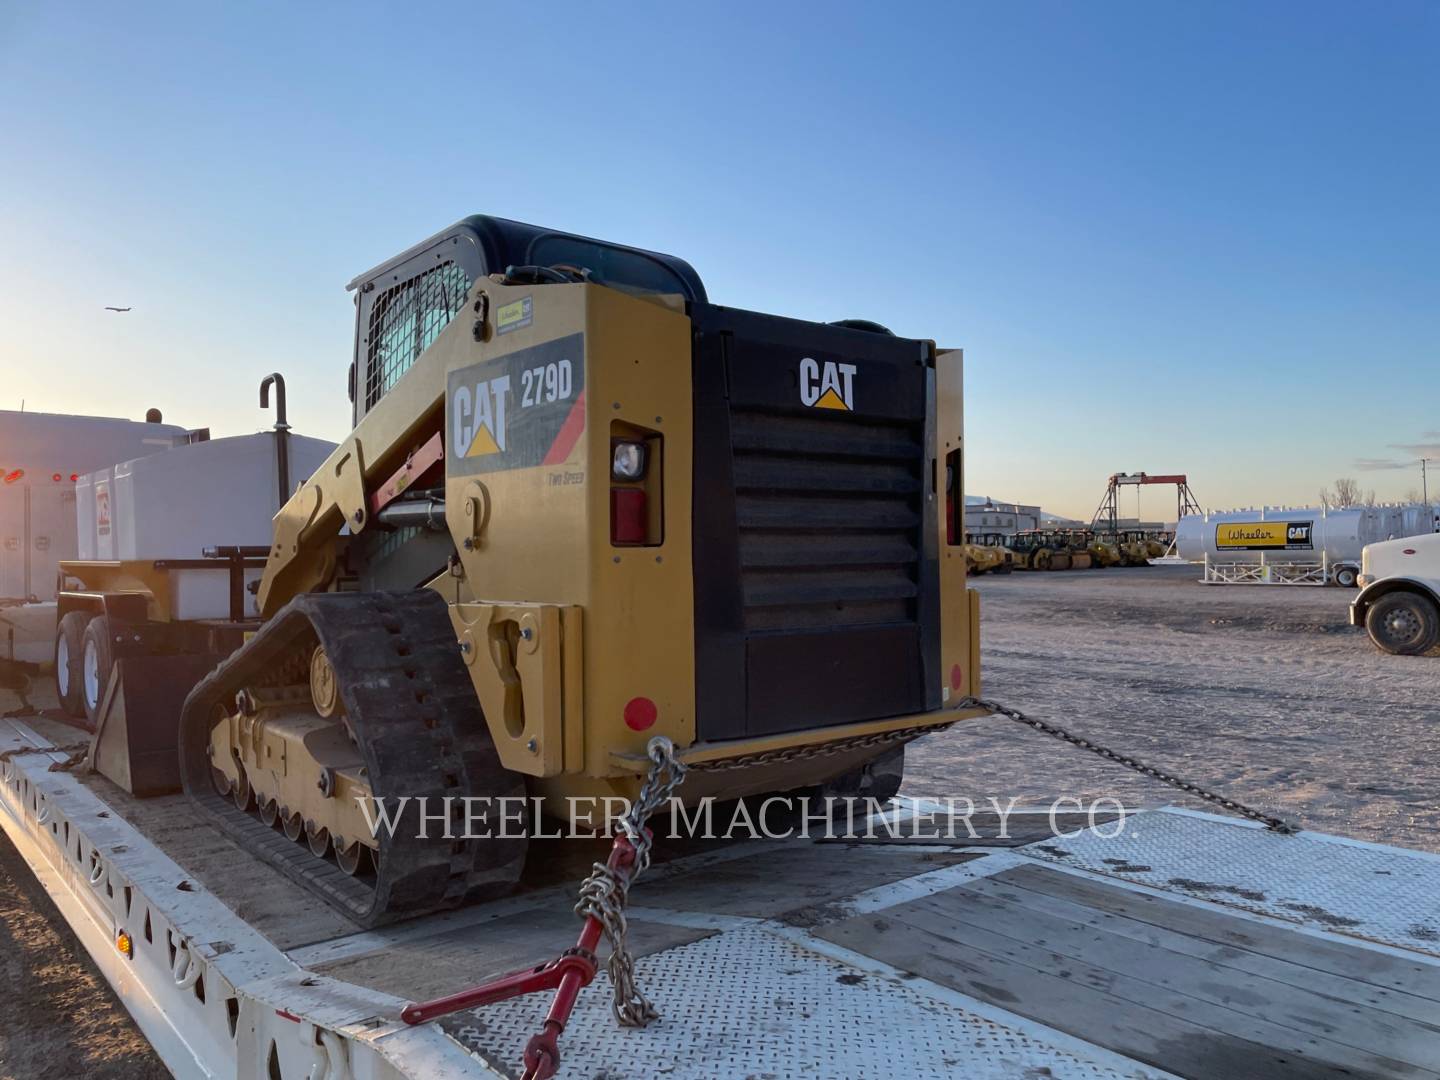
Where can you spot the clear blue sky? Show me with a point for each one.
(1171, 237)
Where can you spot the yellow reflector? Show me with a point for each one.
(125, 945)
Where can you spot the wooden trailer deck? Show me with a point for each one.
(1186, 945)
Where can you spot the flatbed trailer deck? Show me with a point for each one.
(1186, 945)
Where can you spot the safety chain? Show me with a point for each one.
(77, 754)
(838, 746)
(1275, 824)
(80, 748)
(843, 746)
(605, 893)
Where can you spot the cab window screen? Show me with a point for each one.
(405, 320)
(616, 267)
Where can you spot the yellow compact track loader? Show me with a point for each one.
(582, 506)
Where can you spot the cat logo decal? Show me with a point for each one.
(830, 385)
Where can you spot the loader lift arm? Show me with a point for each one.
(302, 553)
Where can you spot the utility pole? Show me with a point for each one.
(1424, 484)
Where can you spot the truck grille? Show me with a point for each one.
(828, 512)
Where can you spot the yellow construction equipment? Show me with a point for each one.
(985, 553)
(580, 507)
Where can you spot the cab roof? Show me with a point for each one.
(500, 243)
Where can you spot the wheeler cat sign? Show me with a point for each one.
(1265, 536)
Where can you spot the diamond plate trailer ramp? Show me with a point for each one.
(1187, 945)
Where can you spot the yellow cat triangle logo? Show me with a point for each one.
(827, 386)
(482, 444)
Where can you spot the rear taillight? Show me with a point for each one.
(637, 510)
(629, 516)
(954, 499)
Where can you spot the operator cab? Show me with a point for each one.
(402, 305)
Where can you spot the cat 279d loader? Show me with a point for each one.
(581, 506)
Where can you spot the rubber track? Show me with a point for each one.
(415, 717)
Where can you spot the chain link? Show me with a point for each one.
(1275, 824)
(82, 749)
(843, 746)
(818, 750)
(605, 893)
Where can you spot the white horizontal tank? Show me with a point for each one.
(1302, 535)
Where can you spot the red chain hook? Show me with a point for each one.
(567, 975)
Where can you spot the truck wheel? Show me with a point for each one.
(1345, 577)
(95, 665)
(69, 647)
(1403, 623)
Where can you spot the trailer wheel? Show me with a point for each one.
(1403, 623)
(95, 666)
(1346, 577)
(69, 648)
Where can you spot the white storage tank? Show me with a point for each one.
(220, 493)
(1301, 535)
(41, 457)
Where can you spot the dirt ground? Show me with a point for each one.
(58, 1017)
(1263, 693)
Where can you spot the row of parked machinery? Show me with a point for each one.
(1061, 549)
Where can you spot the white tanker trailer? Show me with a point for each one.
(1294, 545)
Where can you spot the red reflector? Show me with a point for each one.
(56, 477)
(629, 515)
(957, 677)
(1408, 551)
(74, 476)
(13, 475)
(640, 713)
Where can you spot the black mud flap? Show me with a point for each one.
(135, 744)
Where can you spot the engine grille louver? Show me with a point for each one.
(828, 511)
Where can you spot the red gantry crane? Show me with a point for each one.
(1107, 516)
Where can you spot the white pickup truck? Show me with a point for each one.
(1399, 601)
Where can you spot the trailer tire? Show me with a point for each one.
(96, 664)
(69, 649)
(1346, 577)
(1403, 623)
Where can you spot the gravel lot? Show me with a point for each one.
(1263, 693)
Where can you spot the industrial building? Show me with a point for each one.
(986, 515)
